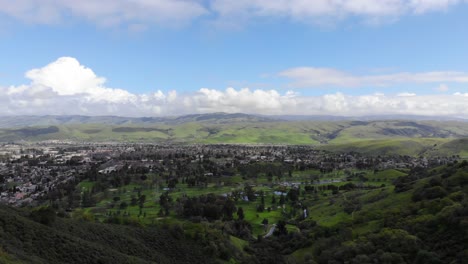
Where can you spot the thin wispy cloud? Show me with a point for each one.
(104, 12)
(316, 11)
(308, 77)
(170, 12)
(442, 88)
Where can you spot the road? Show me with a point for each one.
(270, 232)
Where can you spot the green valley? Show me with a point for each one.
(150, 203)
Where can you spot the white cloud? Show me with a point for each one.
(67, 87)
(406, 94)
(316, 11)
(232, 100)
(66, 77)
(423, 6)
(104, 12)
(313, 77)
(442, 88)
(136, 14)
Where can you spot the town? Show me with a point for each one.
(31, 174)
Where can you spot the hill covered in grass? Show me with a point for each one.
(421, 218)
(40, 236)
(403, 137)
(53, 120)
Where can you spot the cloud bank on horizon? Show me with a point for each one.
(140, 13)
(65, 87)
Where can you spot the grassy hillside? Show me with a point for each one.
(41, 237)
(421, 219)
(410, 146)
(243, 131)
(434, 138)
(51, 120)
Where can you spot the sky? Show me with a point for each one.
(271, 57)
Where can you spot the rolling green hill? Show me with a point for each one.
(421, 219)
(381, 136)
(51, 120)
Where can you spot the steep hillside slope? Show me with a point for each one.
(41, 237)
(423, 218)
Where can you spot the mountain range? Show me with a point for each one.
(48, 120)
(366, 134)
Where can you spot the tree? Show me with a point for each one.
(265, 223)
(123, 205)
(270, 176)
(250, 193)
(142, 200)
(293, 194)
(240, 213)
(43, 215)
(172, 183)
(228, 209)
(281, 228)
(87, 199)
(260, 208)
(165, 202)
(133, 200)
(282, 200)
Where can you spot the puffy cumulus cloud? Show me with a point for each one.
(243, 100)
(65, 87)
(105, 12)
(136, 14)
(67, 77)
(315, 77)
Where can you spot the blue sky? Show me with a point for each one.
(168, 57)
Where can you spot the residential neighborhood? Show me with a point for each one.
(33, 173)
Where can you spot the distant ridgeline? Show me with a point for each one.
(437, 137)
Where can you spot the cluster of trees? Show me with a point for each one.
(254, 170)
(210, 207)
